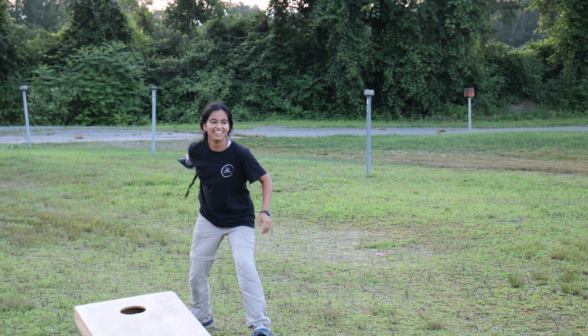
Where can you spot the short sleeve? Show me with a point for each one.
(191, 155)
(252, 168)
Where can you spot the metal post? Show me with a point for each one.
(368, 94)
(153, 92)
(470, 113)
(24, 89)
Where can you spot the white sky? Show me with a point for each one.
(262, 4)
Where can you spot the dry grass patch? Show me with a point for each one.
(15, 301)
(567, 252)
(515, 279)
(541, 275)
(432, 322)
(575, 288)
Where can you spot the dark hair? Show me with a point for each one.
(212, 107)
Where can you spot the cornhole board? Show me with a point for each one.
(158, 314)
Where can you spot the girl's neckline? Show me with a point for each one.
(229, 142)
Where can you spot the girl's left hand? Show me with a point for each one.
(267, 222)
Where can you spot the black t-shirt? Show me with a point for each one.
(224, 198)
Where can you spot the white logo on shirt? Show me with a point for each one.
(227, 170)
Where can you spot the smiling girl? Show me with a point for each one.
(223, 168)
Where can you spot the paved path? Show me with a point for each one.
(17, 135)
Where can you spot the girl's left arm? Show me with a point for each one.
(266, 192)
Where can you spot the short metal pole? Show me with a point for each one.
(154, 93)
(470, 113)
(24, 89)
(368, 94)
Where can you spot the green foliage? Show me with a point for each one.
(47, 14)
(139, 12)
(240, 10)
(7, 50)
(516, 23)
(185, 15)
(303, 59)
(99, 86)
(346, 42)
(315, 58)
(424, 53)
(92, 23)
(145, 20)
(566, 21)
(517, 74)
(106, 85)
(20, 51)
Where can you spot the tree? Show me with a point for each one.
(516, 23)
(6, 48)
(145, 19)
(92, 23)
(566, 50)
(341, 27)
(183, 15)
(422, 54)
(13, 67)
(47, 14)
(567, 22)
(240, 10)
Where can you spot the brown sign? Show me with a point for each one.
(469, 93)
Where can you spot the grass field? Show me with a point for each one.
(470, 234)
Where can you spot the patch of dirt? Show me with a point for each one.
(336, 245)
(496, 163)
(569, 166)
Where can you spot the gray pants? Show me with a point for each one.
(206, 240)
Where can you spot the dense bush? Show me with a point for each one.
(313, 59)
(98, 86)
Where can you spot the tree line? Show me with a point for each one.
(91, 62)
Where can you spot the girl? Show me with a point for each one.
(226, 209)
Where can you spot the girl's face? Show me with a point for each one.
(217, 126)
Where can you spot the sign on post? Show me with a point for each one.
(469, 94)
(368, 94)
(24, 89)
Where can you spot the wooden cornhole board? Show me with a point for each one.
(163, 314)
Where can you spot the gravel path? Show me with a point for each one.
(17, 135)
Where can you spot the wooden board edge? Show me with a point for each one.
(80, 323)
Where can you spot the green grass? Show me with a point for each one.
(414, 249)
(552, 145)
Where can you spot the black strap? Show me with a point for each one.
(191, 184)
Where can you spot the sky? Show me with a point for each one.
(262, 4)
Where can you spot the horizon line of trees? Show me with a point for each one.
(91, 62)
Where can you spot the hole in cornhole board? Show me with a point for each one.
(132, 310)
